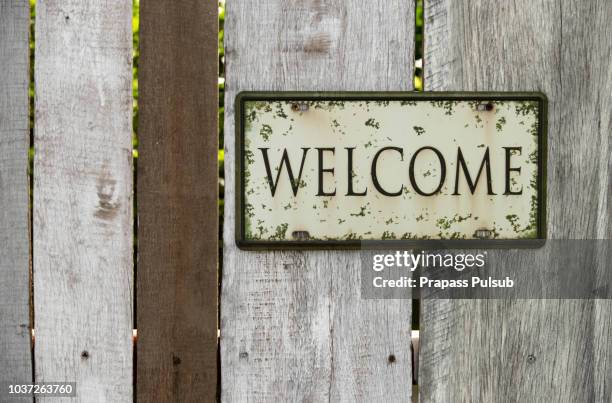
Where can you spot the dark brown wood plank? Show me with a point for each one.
(177, 202)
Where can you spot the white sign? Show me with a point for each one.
(319, 169)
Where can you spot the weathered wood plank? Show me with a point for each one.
(177, 202)
(15, 350)
(478, 350)
(82, 214)
(293, 324)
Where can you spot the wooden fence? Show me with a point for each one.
(293, 325)
(80, 250)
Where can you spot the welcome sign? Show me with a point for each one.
(336, 169)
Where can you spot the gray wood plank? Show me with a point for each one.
(293, 324)
(15, 350)
(82, 218)
(478, 350)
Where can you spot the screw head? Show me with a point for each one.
(483, 233)
(300, 235)
(488, 106)
(299, 107)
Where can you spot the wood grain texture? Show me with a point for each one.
(82, 216)
(478, 350)
(293, 324)
(15, 350)
(177, 202)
